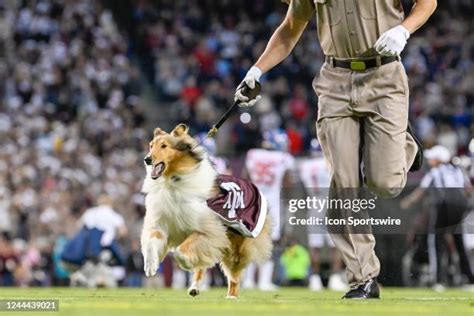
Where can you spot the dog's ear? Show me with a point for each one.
(158, 132)
(182, 146)
(180, 130)
(185, 146)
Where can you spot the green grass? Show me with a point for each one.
(283, 302)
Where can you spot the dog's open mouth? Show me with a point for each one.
(157, 170)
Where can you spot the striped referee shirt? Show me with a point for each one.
(445, 176)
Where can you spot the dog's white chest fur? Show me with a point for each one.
(178, 205)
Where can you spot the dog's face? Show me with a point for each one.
(172, 153)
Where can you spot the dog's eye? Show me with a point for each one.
(163, 146)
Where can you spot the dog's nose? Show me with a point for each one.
(148, 160)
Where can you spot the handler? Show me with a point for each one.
(363, 104)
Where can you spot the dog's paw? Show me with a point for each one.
(183, 261)
(151, 265)
(193, 291)
(231, 297)
(151, 257)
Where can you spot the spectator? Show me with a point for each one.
(439, 63)
(296, 261)
(71, 127)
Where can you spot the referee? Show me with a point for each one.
(448, 185)
(363, 104)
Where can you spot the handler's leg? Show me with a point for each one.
(339, 138)
(339, 135)
(389, 151)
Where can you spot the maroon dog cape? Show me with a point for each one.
(240, 205)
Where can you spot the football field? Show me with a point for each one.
(283, 302)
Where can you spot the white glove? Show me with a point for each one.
(252, 76)
(392, 42)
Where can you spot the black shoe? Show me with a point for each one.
(369, 289)
(418, 162)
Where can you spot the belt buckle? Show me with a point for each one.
(358, 66)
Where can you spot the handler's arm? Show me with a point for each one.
(420, 13)
(282, 42)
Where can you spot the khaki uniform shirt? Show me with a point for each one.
(349, 28)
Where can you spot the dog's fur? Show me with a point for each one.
(179, 180)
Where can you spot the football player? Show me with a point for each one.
(269, 169)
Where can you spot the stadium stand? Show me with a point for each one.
(201, 50)
(71, 127)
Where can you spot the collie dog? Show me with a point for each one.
(182, 188)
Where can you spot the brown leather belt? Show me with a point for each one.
(362, 64)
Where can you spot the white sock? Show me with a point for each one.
(315, 283)
(249, 275)
(179, 279)
(265, 273)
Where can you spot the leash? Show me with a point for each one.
(250, 93)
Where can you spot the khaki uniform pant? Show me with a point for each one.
(363, 118)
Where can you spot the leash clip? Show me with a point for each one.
(212, 132)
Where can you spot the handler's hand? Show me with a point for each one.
(250, 82)
(392, 42)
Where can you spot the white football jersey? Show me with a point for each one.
(315, 174)
(316, 178)
(266, 170)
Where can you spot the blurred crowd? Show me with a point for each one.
(72, 122)
(71, 128)
(202, 49)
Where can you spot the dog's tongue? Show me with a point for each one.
(156, 170)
